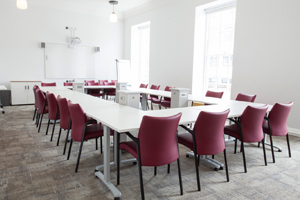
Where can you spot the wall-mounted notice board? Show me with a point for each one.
(64, 62)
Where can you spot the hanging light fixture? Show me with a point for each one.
(22, 4)
(113, 17)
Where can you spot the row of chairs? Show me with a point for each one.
(101, 92)
(70, 116)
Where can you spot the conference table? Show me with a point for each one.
(121, 118)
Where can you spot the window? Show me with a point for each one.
(140, 47)
(213, 53)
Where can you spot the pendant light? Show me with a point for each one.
(113, 17)
(22, 4)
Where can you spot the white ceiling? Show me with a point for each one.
(96, 7)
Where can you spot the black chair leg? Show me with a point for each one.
(169, 168)
(258, 144)
(96, 141)
(197, 172)
(66, 141)
(264, 149)
(226, 166)
(198, 157)
(101, 149)
(272, 148)
(141, 175)
(213, 156)
(53, 130)
(37, 119)
(40, 122)
(79, 154)
(151, 106)
(69, 152)
(47, 126)
(179, 175)
(155, 169)
(34, 114)
(159, 107)
(288, 143)
(235, 144)
(244, 157)
(58, 137)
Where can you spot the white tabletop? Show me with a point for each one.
(2, 87)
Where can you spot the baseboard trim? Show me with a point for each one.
(294, 131)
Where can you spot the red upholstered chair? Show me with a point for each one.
(82, 129)
(110, 92)
(88, 81)
(166, 101)
(42, 107)
(101, 82)
(154, 99)
(156, 145)
(276, 124)
(114, 81)
(248, 129)
(68, 84)
(214, 94)
(245, 97)
(142, 86)
(35, 87)
(95, 92)
(207, 137)
(48, 84)
(53, 111)
(65, 119)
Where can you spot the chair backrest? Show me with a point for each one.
(52, 105)
(158, 140)
(251, 121)
(214, 94)
(143, 85)
(154, 87)
(35, 87)
(78, 121)
(114, 81)
(41, 100)
(110, 90)
(63, 112)
(48, 84)
(168, 88)
(88, 81)
(68, 84)
(278, 118)
(94, 90)
(245, 97)
(209, 132)
(101, 82)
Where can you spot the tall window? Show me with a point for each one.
(213, 53)
(219, 50)
(140, 47)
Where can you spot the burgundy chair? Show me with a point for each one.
(53, 112)
(154, 99)
(114, 81)
(68, 84)
(214, 94)
(82, 129)
(48, 84)
(142, 86)
(35, 87)
(101, 82)
(245, 97)
(156, 145)
(248, 129)
(166, 101)
(110, 92)
(95, 92)
(42, 107)
(65, 119)
(207, 137)
(88, 81)
(276, 124)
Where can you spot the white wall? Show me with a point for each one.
(265, 56)
(22, 31)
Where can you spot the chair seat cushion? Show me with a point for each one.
(232, 130)
(130, 147)
(165, 103)
(155, 100)
(186, 139)
(93, 131)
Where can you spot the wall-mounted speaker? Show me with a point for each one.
(97, 49)
(43, 45)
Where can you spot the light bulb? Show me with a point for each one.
(113, 17)
(22, 4)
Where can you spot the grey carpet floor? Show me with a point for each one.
(32, 167)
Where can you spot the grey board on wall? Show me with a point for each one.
(64, 62)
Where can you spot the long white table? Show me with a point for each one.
(123, 119)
